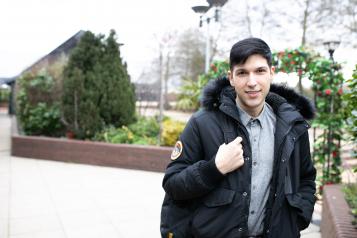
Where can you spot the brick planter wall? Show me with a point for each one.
(336, 218)
(151, 158)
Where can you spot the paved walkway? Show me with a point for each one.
(47, 199)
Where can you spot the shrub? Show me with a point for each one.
(145, 127)
(38, 112)
(97, 88)
(350, 107)
(171, 131)
(4, 95)
(350, 191)
(190, 92)
(143, 132)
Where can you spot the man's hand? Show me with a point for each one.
(229, 156)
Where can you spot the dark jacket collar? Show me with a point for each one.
(282, 99)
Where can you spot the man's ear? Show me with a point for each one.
(272, 73)
(230, 77)
(272, 70)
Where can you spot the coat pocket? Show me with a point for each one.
(301, 209)
(217, 215)
(284, 222)
(219, 197)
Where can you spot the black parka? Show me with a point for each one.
(203, 203)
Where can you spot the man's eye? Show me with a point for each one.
(261, 70)
(241, 73)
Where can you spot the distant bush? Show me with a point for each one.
(4, 95)
(143, 132)
(191, 90)
(38, 111)
(350, 107)
(350, 191)
(171, 131)
(145, 126)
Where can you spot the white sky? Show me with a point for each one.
(30, 29)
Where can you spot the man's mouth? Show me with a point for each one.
(253, 93)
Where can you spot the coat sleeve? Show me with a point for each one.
(307, 186)
(191, 175)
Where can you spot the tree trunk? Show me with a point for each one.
(304, 22)
(166, 79)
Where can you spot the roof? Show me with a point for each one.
(63, 48)
(7, 80)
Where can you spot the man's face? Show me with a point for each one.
(251, 81)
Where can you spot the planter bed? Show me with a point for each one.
(336, 219)
(150, 158)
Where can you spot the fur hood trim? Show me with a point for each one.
(212, 93)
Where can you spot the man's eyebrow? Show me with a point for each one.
(262, 67)
(259, 67)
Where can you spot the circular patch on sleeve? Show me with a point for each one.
(177, 150)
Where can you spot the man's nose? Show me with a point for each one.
(251, 80)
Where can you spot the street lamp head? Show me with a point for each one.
(217, 3)
(200, 9)
(331, 46)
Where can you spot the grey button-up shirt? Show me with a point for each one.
(261, 134)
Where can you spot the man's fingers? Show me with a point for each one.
(237, 140)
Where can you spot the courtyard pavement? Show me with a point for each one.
(47, 199)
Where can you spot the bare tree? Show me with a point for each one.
(348, 13)
(309, 21)
(249, 18)
(189, 54)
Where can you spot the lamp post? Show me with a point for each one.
(331, 46)
(202, 9)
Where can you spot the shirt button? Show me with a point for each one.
(283, 160)
(255, 163)
(246, 158)
(254, 187)
(245, 194)
(240, 229)
(252, 212)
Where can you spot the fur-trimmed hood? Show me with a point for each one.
(212, 95)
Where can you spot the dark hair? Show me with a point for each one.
(241, 51)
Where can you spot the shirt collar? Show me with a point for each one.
(246, 118)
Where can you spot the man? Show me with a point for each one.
(242, 166)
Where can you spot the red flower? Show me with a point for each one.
(214, 68)
(334, 154)
(328, 91)
(321, 187)
(300, 72)
(293, 62)
(340, 91)
(289, 56)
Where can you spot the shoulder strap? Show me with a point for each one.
(227, 127)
